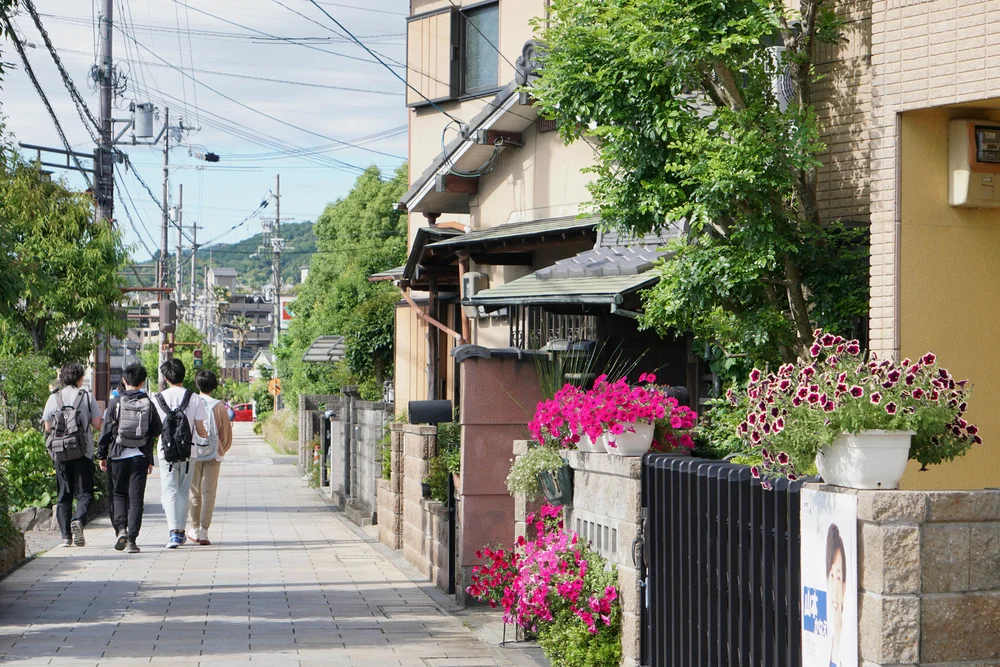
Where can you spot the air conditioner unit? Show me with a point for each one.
(782, 85)
(973, 163)
(472, 284)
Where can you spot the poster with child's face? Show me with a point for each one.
(829, 594)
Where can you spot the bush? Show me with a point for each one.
(447, 460)
(28, 470)
(523, 477)
(385, 451)
(24, 388)
(281, 430)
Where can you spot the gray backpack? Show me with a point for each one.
(134, 415)
(67, 437)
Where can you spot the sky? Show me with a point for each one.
(191, 55)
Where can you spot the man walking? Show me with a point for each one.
(208, 457)
(71, 414)
(182, 414)
(131, 424)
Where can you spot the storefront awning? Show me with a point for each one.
(594, 290)
(325, 350)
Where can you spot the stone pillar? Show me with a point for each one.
(390, 494)
(419, 445)
(929, 577)
(607, 512)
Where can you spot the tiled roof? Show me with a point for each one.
(519, 230)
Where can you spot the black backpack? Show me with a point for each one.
(176, 440)
(67, 438)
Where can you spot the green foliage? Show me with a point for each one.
(385, 453)
(281, 430)
(356, 236)
(28, 471)
(523, 476)
(58, 268)
(566, 641)
(678, 97)
(24, 388)
(715, 436)
(447, 461)
(185, 334)
(258, 428)
(235, 392)
(262, 398)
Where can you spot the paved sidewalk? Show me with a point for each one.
(285, 582)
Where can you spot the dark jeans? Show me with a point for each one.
(128, 481)
(75, 479)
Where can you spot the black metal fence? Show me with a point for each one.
(721, 566)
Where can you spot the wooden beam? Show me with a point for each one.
(457, 184)
(503, 258)
(498, 138)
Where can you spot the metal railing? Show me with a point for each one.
(721, 563)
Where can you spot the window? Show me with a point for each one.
(480, 59)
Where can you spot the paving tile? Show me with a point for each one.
(285, 582)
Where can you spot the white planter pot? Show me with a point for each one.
(630, 443)
(588, 445)
(866, 460)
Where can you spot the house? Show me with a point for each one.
(235, 358)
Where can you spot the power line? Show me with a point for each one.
(78, 100)
(264, 114)
(45, 100)
(363, 9)
(379, 59)
(263, 204)
(481, 34)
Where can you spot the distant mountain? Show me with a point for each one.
(251, 262)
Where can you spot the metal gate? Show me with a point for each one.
(721, 566)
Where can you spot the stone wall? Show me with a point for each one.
(311, 409)
(929, 577)
(606, 511)
(390, 495)
(12, 555)
(354, 458)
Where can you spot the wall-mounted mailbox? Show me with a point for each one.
(973, 163)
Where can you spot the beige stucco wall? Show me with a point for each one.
(943, 307)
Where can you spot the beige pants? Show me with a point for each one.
(204, 482)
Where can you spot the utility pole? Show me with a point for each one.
(194, 253)
(104, 184)
(276, 256)
(179, 269)
(165, 220)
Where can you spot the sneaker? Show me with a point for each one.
(203, 538)
(68, 542)
(76, 527)
(195, 537)
(131, 547)
(120, 542)
(176, 539)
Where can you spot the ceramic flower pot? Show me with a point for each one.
(867, 460)
(588, 445)
(630, 443)
(557, 485)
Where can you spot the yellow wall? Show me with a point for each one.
(949, 280)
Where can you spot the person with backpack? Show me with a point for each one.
(183, 414)
(125, 451)
(70, 416)
(209, 453)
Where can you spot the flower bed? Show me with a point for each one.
(556, 588)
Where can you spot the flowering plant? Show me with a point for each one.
(612, 407)
(795, 412)
(552, 584)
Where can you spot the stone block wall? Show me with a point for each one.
(12, 555)
(606, 511)
(370, 422)
(390, 495)
(310, 414)
(419, 445)
(929, 577)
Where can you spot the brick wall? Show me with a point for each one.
(929, 577)
(842, 97)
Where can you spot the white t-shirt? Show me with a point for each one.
(195, 411)
(88, 410)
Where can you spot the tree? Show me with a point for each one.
(356, 236)
(241, 333)
(185, 334)
(678, 96)
(24, 388)
(60, 268)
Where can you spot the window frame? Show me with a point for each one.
(464, 92)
